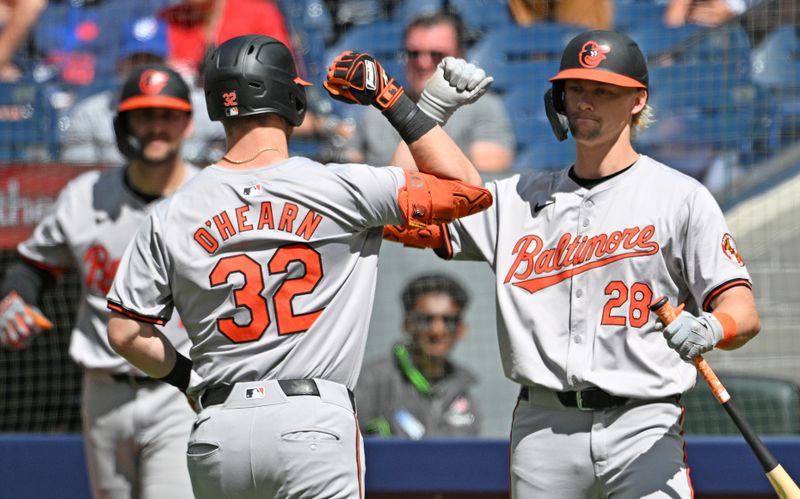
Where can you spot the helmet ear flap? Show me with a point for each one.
(128, 145)
(556, 112)
(558, 96)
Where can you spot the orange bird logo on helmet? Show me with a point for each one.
(152, 82)
(592, 53)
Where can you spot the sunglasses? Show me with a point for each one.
(424, 321)
(435, 55)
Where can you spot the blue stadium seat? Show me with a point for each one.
(27, 123)
(629, 14)
(703, 111)
(382, 39)
(528, 74)
(513, 44)
(545, 153)
(482, 16)
(776, 61)
(407, 10)
(658, 38)
(312, 26)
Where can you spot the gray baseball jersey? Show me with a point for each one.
(94, 218)
(272, 270)
(577, 268)
(135, 430)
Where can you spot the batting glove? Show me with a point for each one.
(358, 78)
(691, 336)
(454, 83)
(20, 322)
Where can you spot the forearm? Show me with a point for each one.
(436, 153)
(142, 345)
(738, 303)
(24, 16)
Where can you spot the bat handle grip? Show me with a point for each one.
(667, 314)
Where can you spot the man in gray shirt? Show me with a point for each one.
(482, 130)
(417, 391)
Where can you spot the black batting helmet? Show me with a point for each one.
(253, 74)
(150, 86)
(603, 56)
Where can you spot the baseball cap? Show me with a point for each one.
(144, 35)
(155, 86)
(606, 57)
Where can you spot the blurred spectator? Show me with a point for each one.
(482, 129)
(196, 25)
(79, 39)
(704, 12)
(418, 391)
(597, 14)
(17, 18)
(87, 133)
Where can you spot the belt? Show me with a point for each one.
(290, 387)
(593, 399)
(133, 379)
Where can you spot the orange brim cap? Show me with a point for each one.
(598, 75)
(154, 101)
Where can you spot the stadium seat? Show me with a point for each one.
(629, 14)
(656, 39)
(27, 123)
(514, 44)
(528, 74)
(312, 26)
(705, 113)
(545, 153)
(776, 72)
(482, 16)
(771, 406)
(407, 10)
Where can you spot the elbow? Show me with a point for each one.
(120, 334)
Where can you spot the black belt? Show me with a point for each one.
(593, 399)
(133, 379)
(290, 387)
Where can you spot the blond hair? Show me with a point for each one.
(642, 120)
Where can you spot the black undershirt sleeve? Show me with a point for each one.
(28, 281)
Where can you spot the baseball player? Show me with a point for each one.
(579, 255)
(135, 428)
(272, 261)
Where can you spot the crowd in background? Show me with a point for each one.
(60, 61)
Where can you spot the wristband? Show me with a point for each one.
(406, 117)
(728, 329)
(180, 373)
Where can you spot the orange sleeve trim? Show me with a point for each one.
(116, 307)
(728, 329)
(722, 288)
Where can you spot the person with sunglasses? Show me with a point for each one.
(418, 391)
(482, 130)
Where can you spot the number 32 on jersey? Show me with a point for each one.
(250, 297)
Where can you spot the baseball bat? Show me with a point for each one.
(780, 480)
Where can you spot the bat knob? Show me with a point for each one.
(658, 303)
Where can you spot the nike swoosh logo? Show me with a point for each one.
(540, 206)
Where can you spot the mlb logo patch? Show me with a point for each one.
(251, 190)
(254, 393)
(231, 111)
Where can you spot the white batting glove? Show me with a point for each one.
(454, 83)
(691, 336)
(20, 322)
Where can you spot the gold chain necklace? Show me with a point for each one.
(260, 151)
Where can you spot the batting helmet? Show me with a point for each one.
(150, 86)
(253, 74)
(603, 56)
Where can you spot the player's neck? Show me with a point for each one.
(156, 180)
(596, 160)
(433, 368)
(253, 145)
